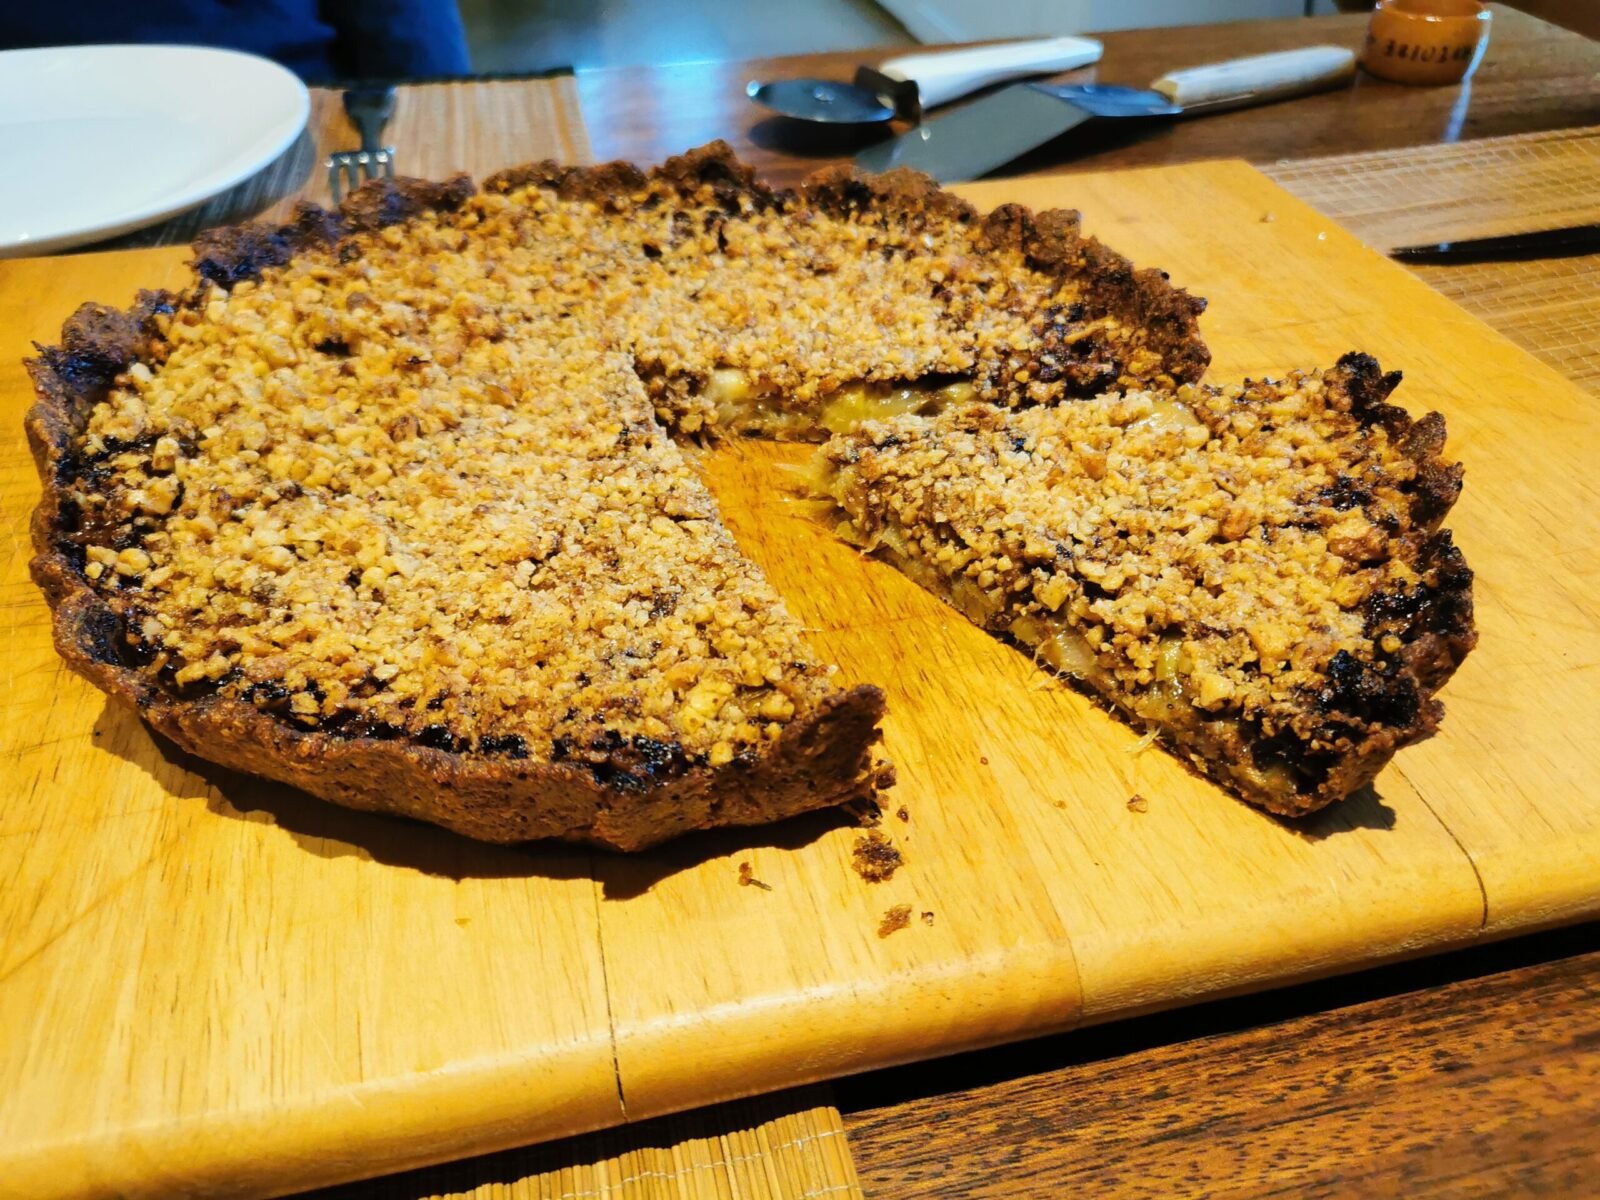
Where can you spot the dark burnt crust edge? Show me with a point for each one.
(1340, 736)
(626, 798)
(1146, 299)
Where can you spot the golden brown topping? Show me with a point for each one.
(1261, 557)
(409, 480)
(1190, 536)
(379, 521)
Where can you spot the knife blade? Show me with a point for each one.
(1567, 242)
(904, 86)
(975, 139)
(990, 132)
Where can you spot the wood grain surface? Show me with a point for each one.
(1471, 1076)
(212, 983)
(785, 1146)
(1429, 194)
(1534, 76)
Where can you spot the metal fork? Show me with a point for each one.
(369, 110)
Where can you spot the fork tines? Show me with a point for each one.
(349, 169)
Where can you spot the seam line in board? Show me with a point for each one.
(605, 983)
(1477, 875)
(1079, 1000)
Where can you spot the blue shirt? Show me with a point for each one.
(320, 40)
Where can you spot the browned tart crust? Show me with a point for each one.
(1256, 573)
(385, 507)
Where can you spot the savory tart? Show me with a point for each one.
(385, 506)
(1256, 574)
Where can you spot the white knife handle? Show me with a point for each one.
(1260, 78)
(944, 75)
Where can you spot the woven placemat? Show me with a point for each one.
(789, 1146)
(1479, 189)
(438, 129)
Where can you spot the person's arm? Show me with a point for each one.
(397, 39)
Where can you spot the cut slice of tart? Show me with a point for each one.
(1256, 573)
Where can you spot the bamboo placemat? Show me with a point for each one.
(1479, 189)
(438, 129)
(789, 1146)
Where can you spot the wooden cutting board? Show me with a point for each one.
(208, 982)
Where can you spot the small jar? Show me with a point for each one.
(1426, 41)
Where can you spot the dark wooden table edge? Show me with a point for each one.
(1039, 1081)
(1470, 1073)
(1117, 1037)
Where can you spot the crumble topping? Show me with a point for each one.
(415, 482)
(749, 309)
(1140, 516)
(894, 920)
(875, 857)
(493, 545)
(503, 552)
(1250, 555)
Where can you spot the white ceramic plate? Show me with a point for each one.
(98, 140)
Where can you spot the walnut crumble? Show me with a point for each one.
(499, 552)
(400, 475)
(793, 313)
(1257, 572)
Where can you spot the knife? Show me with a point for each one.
(990, 132)
(904, 86)
(1511, 247)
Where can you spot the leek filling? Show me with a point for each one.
(740, 407)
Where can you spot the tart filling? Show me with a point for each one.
(1255, 574)
(738, 407)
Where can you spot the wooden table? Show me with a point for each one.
(1535, 76)
(1477, 1073)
